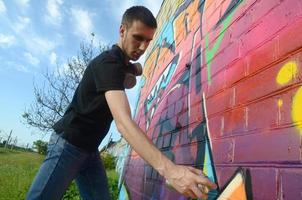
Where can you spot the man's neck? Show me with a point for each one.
(127, 60)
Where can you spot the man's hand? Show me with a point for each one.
(133, 70)
(189, 181)
(186, 180)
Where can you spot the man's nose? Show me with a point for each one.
(143, 46)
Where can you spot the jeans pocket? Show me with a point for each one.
(53, 139)
(53, 145)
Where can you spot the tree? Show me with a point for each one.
(52, 99)
(40, 146)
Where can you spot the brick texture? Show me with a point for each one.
(224, 76)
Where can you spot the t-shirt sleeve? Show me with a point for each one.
(108, 75)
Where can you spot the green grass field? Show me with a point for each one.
(17, 170)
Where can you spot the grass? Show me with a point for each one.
(73, 194)
(18, 169)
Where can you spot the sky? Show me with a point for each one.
(37, 35)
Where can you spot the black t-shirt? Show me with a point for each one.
(88, 117)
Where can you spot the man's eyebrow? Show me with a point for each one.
(137, 36)
(140, 37)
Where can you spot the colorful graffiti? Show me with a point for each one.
(237, 187)
(287, 74)
(221, 83)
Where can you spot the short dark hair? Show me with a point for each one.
(139, 13)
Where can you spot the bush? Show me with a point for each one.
(108, 160)
(41, 146)
(72, 193)
(113, 183)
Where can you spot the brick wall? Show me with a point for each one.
(222, 91)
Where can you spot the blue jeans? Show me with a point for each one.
(65, 162)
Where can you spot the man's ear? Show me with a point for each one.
(122, 30)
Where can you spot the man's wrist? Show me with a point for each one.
(165, 166)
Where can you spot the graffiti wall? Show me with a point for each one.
(222, 91)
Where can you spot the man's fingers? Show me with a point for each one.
(203, 188)
(195, 170)
(197, 192)
(202, 179)
(191, 194)
(206, 182)
(193, 183)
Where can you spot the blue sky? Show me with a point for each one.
(35, 35)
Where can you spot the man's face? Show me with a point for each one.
(135, 39)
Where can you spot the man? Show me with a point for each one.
(100, 98)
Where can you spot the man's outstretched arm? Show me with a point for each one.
(184, 179)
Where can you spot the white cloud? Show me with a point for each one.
(16, 66)
(82, 23)
(40, 45)
(21, 24)
(22, 3)
(31, 59)
(28, 39)
(7, 40)
(53, 58)
(54, 15)
(21, 68)
(2, 7)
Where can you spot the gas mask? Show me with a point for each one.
(133, 70)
